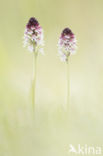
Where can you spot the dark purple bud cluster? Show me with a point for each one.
(67, 32)
(32, 23)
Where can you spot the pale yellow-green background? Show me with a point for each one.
(50, 134)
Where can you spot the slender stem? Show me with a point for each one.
(34, 80)
(68, 86)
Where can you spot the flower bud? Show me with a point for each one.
(33, 36)
(67, 44)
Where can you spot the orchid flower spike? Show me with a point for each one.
(33, 36)
(67, 44)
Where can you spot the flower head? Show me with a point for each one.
(33, 36)
(67, 44)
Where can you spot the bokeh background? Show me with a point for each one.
(50, 133)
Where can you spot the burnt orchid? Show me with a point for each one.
(66, 47)
(34, 41)
(66, 44)
(33, 36)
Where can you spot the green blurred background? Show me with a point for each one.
(51, 132)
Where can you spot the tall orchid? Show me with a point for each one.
(66, 47)
(34, 41)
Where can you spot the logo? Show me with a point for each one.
(84, 150)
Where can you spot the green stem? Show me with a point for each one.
(34, 79)
(68, 87)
